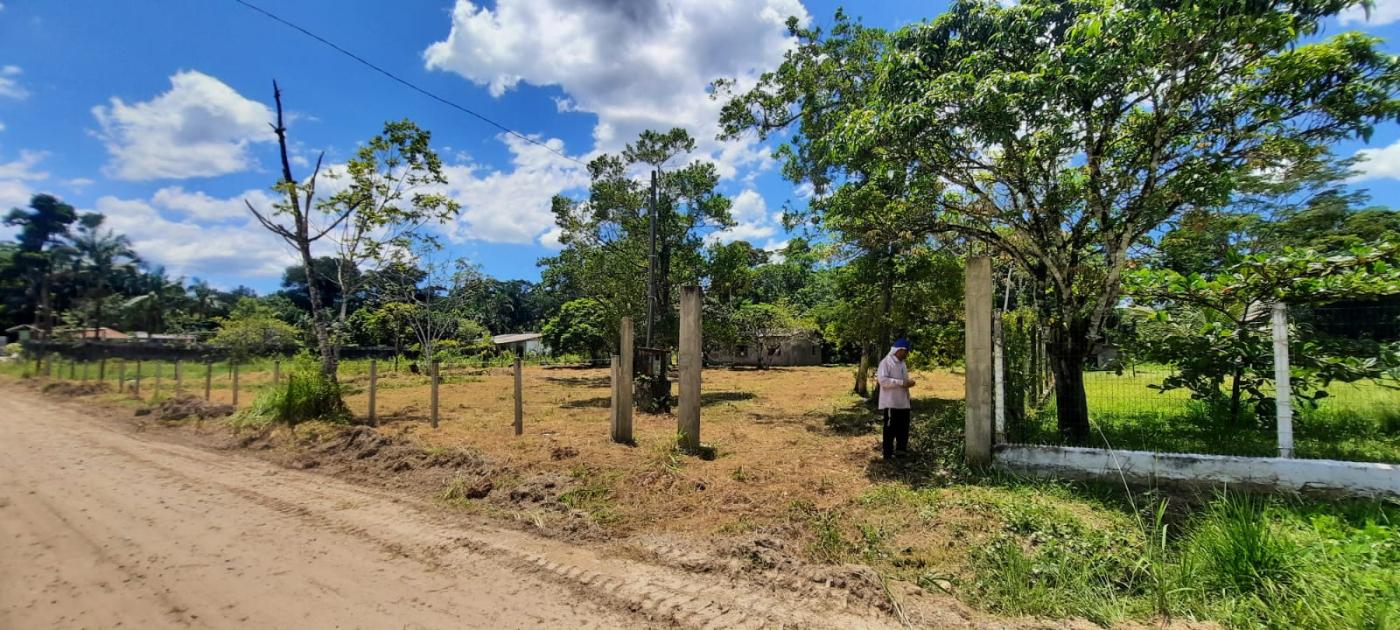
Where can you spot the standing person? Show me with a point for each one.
(894, 381)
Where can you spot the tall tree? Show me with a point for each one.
(102, 255)
(43, 229)
(1060, 133)
(394, 190)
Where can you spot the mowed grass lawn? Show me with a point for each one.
(1356, 422)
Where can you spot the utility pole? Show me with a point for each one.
(651, 262)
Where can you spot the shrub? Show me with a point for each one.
(305, 395)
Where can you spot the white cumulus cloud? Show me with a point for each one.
(18, 178)
(513, 206)
(186, 246)
(201, 127)
(753, 223)
(9, 83)
(1382, 12)
(637, 65)
(1382, 163)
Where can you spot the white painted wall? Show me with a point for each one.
(1354, 478)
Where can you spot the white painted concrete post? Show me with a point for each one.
(1283, 387)
(689, 364)
(977, 426)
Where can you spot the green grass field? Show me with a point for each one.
(1356, 422)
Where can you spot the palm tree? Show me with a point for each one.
(102, 257)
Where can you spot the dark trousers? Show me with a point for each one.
(896, 431)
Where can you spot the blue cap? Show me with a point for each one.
(901, 343)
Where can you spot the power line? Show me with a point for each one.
(405, 82)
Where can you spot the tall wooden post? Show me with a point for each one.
(622, 419)
(978, 423)
(999, 377)
(434, 399)
(1283, 386)
(519, 399)
(233, 367)
(208, 378)
(373, 383)
(616, 380)
(689, 364)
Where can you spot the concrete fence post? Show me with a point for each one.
(373, 383)
(1283, 386)
(179, 378)
(434, 397)
(978, 423)
(689, 364)
(519, 398)
(233, 373)
(999, 378)
(208, 379)
(121, 376)
(622, 419)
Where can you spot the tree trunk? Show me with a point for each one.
(1068, 351)
(1235, 394)
(862, 388)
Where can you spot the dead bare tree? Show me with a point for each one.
(300, 233)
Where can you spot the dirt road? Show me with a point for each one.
(104, 527)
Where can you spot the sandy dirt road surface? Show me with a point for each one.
(105, 527)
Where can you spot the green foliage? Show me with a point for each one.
(306, 394)
(582, 326)
(1045, 130)
(1215, 328)
(253, 329)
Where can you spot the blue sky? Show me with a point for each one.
(154, 112)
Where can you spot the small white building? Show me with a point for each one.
(778, 348)
(520, 343)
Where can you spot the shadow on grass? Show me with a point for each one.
(712, 398)
(598, 402)
(580, 381)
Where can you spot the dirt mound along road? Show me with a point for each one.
(102, 526)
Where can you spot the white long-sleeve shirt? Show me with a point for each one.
(891, 377)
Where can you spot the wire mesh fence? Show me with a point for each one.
(1188, 382)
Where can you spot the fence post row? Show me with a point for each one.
(978, 423)
(434, 404)
(1283, 395)
(373, 382)
(689, 363)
